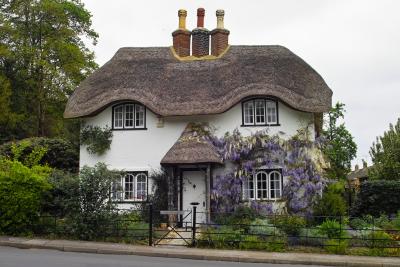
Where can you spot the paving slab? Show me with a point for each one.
(201, 254)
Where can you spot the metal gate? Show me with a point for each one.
(172, 228)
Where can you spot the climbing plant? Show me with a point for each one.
(96, 139)
(300, 158)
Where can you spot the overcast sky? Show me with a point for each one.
(354, 45)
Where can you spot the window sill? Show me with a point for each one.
(129, 201)
(128, 129)
(263, 200)
(260, 125)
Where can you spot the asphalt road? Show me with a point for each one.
(14, 257)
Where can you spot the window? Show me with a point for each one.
(263, 185)
(131, 187)
(260, 112)
(129, 116)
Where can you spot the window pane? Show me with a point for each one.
(248, 188)
(116, 190)
(260, 111)
(141, 186)
(271, 112)
(248, 112)
(139, 116)
(129, 187)
(118, 116)
(129, 115)
(262, 192)
(275, 185)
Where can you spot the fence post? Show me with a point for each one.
(194, 204)
(150, 224)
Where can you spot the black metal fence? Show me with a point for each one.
(229, 230)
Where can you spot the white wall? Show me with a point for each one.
(136, 150)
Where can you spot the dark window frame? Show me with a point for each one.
(265, 99)
(134, 116)
(122, 199)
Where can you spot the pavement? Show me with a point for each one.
(199, 254)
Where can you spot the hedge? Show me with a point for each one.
(60, 154)
(377, 197)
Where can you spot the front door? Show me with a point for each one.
(194, 190)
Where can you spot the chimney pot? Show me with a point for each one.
(182, 13)
(356, 168)
(220, 18)
(200, 17)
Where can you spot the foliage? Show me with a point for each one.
(291, 225)
(42, 59)
(385, 155)
(21, 192)
(376, 197)
(263, 228)
(332, 229)
(332, 202)
(301, 160)
(59, 200)
(91, 208)
(341, 148)
(97, 139)
(241, 217)
(59, 153)
(336, 246)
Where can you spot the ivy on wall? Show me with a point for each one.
(97, 140)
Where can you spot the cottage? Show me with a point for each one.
(151, 96)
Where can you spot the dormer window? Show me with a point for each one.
(129, 116)
(260, 112)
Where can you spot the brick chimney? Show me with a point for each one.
(200, 36)
(219, 36)
(181, 36)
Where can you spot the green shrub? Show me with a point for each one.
(263, 228)
(312, 237)
(60, 154)
(336, 246)
(291, 225)
(377, 197)
(21, 192)
(240, 218)
(91, 210)
(59, 201)
(332, 202)
(396, 221)
(332, 229)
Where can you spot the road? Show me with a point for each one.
(14, 257)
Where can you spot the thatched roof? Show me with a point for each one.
(191, 149)
(358, 173)
(169, 86)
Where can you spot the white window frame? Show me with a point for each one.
(120, 195)
(262, 101)
(245, 112)
(269, 173)
(268, 115)
(252, 112)
(135, 108)
(275, 189)
(115, 112)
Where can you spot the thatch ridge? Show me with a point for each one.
(169, 87)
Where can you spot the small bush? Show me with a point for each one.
(263, 228)
(312, 237)
(336, 246)
(332, 229)
(97, 139)
(291, 225)
(332, 202)
(21, 193)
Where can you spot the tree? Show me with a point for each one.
(42, 58)
(385, 154)
(341, 148)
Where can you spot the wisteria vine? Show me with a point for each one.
(300, 158)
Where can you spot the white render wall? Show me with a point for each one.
(142, 150)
